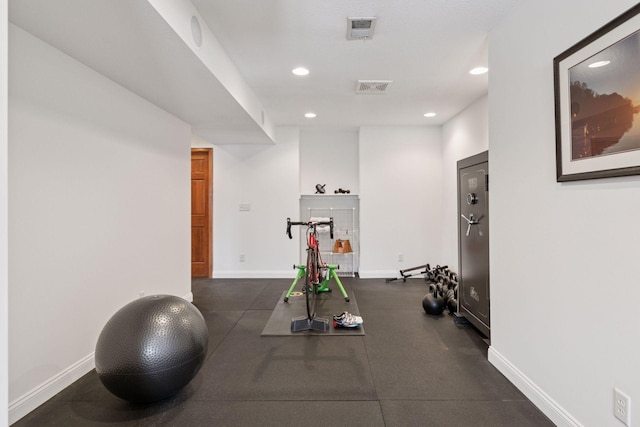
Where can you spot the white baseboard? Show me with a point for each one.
(45, 391)
(534, 393)
(291, 274)
(378, 274)
(243, 274)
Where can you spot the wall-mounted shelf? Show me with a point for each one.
(329, 195)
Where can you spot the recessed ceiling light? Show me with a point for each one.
(429, 114)
(196, 31)
(310, 115)
(300, 71)
(478, 70)
(599, 64)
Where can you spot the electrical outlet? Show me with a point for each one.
(622, 406)
(241, 257)
(140, 294)
(400, 257)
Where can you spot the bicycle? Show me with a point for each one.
(315, 273)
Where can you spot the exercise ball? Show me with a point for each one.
(151, 348)
(433, 304)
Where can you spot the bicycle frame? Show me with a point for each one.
(313, 275)
(313, 245)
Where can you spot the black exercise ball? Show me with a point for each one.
(433, 305)
(151, 348)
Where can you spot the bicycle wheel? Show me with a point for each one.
(311, 283)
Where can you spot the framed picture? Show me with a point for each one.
(597, 103)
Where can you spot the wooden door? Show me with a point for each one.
(201, 207)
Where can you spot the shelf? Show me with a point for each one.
(336, 253)
(343, 208)
(339, 196)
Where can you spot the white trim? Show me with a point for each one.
(378, 274)
(4, 219)
(244, 274)
(538, 397)
(45, 391)
(188, 297)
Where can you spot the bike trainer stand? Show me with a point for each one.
(305, 324)
(324, 287)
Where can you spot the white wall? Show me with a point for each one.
(400, 198)
(4, 226)
(463, 136)
(99, 211)
(564, 285)
(400, 180)
(178, 14)
(267, 179)
(329, 157)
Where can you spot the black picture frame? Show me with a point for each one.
(597, 119)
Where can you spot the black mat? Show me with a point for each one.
(328, 304)
(410, 369)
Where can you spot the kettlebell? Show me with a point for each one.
(433, 304)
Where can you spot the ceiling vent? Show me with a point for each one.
(372, 86)
(360, 28)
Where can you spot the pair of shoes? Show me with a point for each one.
(347, 320)
(346, 314)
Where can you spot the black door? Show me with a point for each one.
(473, 239)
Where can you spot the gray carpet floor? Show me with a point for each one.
(410, 369)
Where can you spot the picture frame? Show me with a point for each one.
(597, 103)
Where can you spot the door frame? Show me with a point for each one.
(209, 217)
(474, 160)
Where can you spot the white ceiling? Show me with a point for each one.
(426, 47)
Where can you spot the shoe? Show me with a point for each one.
(347, 320)
(346, 314)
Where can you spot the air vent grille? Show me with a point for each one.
(360, 28)
(372, 86)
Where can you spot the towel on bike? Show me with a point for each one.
(321, 228)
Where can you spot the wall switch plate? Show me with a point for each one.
(622, 406)
(245, 207)
(400, 257)
(241, 257)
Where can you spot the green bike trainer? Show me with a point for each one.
(324, 287)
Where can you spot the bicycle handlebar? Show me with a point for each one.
(310, 224)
